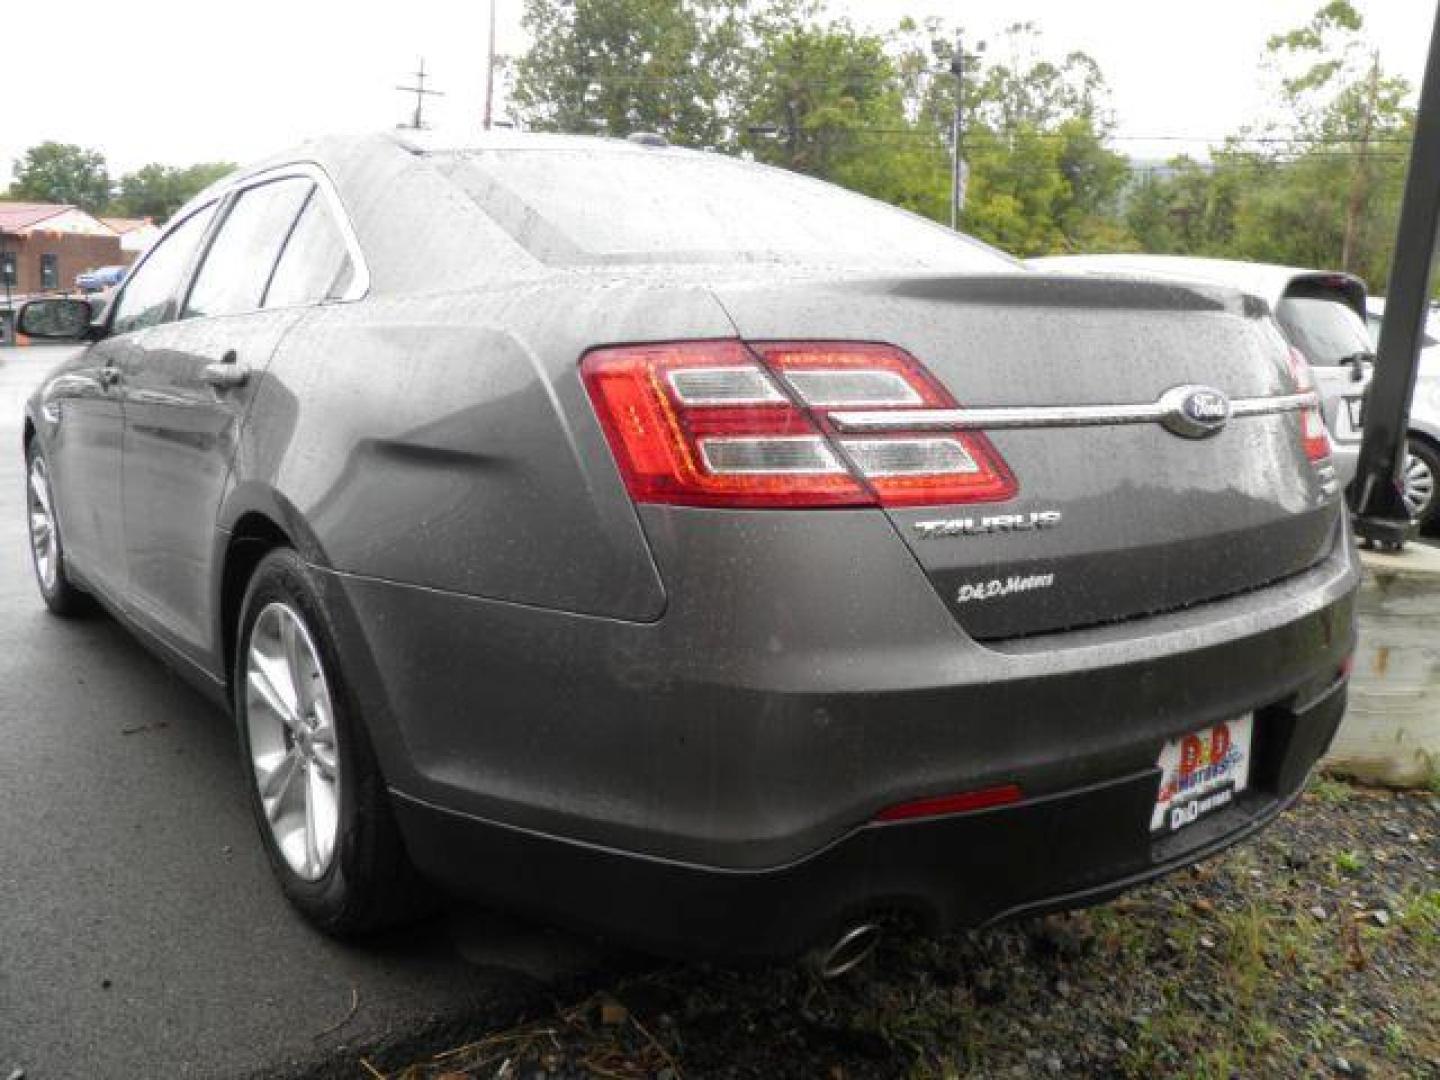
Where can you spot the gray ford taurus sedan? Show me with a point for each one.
(692, 550)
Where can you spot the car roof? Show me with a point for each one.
(325, 151)
(1268, 281)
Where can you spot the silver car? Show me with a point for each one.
(1422, 461)
(1322, 313)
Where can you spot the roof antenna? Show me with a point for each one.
(420, 92)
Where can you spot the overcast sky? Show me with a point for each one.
(198, 81)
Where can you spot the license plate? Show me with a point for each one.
(1201, 773)
(1356, 407)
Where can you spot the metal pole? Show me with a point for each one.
(957, 132)
(1381, 516)
(7, 328)
(490, 69)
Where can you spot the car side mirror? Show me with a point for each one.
(56, 318)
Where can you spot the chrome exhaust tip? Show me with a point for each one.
(847, 952)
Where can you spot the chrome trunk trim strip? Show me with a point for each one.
(1045, 416)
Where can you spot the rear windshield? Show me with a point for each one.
(1326, 331)
(574, 206)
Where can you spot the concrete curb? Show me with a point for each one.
(1391, 733)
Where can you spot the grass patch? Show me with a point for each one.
(1330, 790)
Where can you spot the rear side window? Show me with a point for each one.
(238, 266)
(1326, 331)
(616, 206)
(316, 263)
(152, 292)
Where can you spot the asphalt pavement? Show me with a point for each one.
(141, 932)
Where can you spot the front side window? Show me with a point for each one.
(151, 294)
(315, 264)
(49, 271)
(238, 266)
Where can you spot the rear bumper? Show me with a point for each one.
(1059, 851)
(691, 782)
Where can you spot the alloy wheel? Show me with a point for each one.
(44, 537)
(293, 749)
(1419, 485)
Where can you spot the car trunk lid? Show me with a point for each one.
(1115, 517)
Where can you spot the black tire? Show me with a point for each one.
(1427, 453)
(369, 883)
(60, 593)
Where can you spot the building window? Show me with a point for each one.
(49, 271)
(7, 269)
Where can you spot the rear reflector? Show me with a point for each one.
(720, 423)
(964, 802)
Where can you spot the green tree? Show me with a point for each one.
(62, 173)
(1342, 135)
(814, 96)
(157, 191)
(1041, 178)
(1191, 208)
(620, 66)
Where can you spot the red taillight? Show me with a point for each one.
(964, 802)
(719, 423)
(1313, 434)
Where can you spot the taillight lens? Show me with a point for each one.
(720, 423)
(919, 469)
(1312, 423)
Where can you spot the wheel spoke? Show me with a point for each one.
(312, 841)
(270, 679)
(276, 784)
(41, 488)
(293, 660)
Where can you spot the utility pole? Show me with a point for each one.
(1381, 516)
(490, 70)
(421, 93)
(6, 331)
(1360, 177)
(957, 134)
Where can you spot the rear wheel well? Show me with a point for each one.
(1424, 437)
(253, 537)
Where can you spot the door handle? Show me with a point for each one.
(107, 377)
(228, 373)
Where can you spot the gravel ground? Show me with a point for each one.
(1314, 950)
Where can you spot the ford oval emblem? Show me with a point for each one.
(1194, 411)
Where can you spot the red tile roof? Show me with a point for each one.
(15, 216)
(123, 225)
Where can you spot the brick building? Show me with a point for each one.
(44, 245)
(136, 234)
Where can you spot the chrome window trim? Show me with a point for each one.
(1046, 416)
(360, 286)
(309, 170)
(187, 278)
